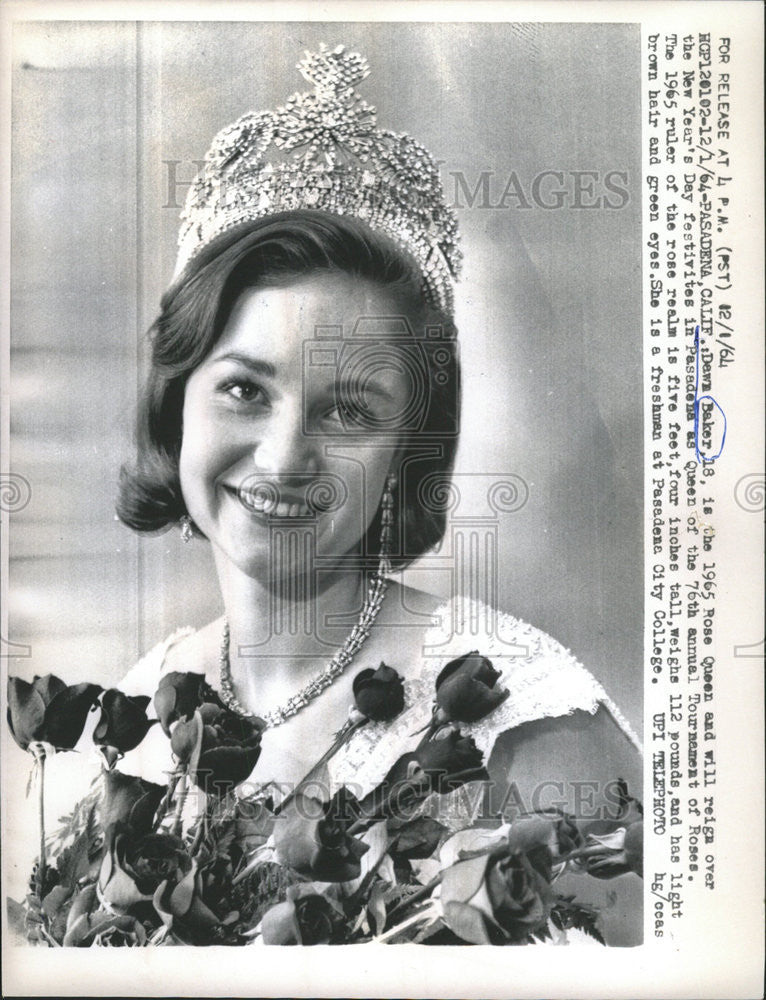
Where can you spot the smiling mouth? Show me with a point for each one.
(267, 501)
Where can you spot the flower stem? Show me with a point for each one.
(202, 830)
(342, 736)
(416, 896)
(199, 834)
(159, 935)
(52, 942)
(162, 809)
(429, 731)
(358, 897)
(429, 913)
(255, 860)
(415, 786)
(41, 816)
(180, 800)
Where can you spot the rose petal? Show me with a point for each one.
(528, 832)
(634, 847)
(186, 738)
(453, 666)
(164, 706)
(66, 714)
(85, 901)
(466, 922)
(463, 880)
(48, 687)
(222, 768)
(161, 904)
(129, 799)
(26, 711)
(280, 925)
(471, 839)
(181, 897)
(123, 723)
(77, 931)
(178, 695)
(120, 890)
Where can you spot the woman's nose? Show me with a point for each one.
(284, 447)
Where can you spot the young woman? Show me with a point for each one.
(282, 464)
(303, 394)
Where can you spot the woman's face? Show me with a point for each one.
(289, 430)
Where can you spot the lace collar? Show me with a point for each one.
(544, 680)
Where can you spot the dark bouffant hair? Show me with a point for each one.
(193, 314)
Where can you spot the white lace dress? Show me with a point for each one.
(544, 680)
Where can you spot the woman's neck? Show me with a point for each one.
(282, 633)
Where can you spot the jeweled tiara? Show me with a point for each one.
(323, 150)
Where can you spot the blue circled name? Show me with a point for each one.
(698, 403)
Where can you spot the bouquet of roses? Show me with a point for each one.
(200, 861)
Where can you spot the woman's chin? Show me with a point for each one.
(277, 555)
(277, 550)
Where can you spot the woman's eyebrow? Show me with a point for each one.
(254, 364)
(349, 387)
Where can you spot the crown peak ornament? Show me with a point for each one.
(333, 70)
(324, 151)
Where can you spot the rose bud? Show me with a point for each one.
(178, 696)
(89, 926)
(614, 845)
(551, 829)
(379, 694)
(305, 917)
(48, 711)
(133, 868)
(414, 839)
(496, 898)
(221, 748)
(123, 723)
(448, 755)
(440, 764)
(615, 853)
(629, 810)
(404, 784)
(466, 689)
(131, 801)
(310, 838)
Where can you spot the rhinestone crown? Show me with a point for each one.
(323, 150)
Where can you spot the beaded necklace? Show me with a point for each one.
(355, 640)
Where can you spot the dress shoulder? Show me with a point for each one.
(144, 677)
(543, 678)
(152, 759)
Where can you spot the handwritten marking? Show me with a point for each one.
(699, 399)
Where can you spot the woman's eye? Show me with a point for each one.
(244, 391)
(346, 414)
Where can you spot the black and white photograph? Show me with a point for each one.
(347, 501)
